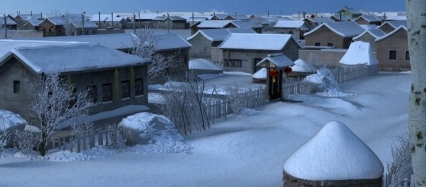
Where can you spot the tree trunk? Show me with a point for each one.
(416, 17)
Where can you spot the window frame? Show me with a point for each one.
(125, 89)
(106, 97)
(236, 63)
(392, 53)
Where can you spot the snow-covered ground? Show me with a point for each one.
(244, 150)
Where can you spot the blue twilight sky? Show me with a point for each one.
(229, 6)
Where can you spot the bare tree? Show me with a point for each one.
(416, 22)
(145, 46)
(70, 23)
(55, 102)
(399, 169)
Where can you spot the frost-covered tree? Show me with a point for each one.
(416, 22)
(145, 46)
(55, 102)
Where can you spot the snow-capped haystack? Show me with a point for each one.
(302, 66)
(334, 156)
(359, 53)
(151, 128)
(203, 64)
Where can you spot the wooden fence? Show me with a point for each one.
(78, 143)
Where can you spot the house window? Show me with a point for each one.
(107, 92)
(16, 86)
(317, 44)
(92, 93)
(138, 87)
(233, 63)
(330, 44)
(392, 55)
(125, 89)
(290, 32)
(407, 55)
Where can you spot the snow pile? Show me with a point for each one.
(260, 74)
(68, 156)
(334, 153)
(154, 129)
(9, 120)
(302, 66)
(359, 53)
(327, 84)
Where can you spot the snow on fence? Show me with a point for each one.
(220, 108)
(341, 74)
(79, 143)
(406, 182)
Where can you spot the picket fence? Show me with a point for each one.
(407, 182)
(77, 144)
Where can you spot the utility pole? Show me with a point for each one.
(5, 27)
(134, 23)
(168, 21)
(82, 21)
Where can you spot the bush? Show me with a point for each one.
(25, 141)
(400, 168)
(116, 136)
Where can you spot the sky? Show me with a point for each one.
(244, 150)
(231, 7)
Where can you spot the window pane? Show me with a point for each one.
(16, 86)
(407, 55)
(392, 55)
(125, 89)
(138, 87)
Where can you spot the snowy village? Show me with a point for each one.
(205, 99)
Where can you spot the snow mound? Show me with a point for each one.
(90, 154)
(9, 120)
(334, 153)
(152, 129)
(302, 66)
(359, 53)
(171, 147)
(327, 84)
(260, 74)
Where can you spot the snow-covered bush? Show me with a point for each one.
(116, 136)
(235, 98)
(400, 169)
(81, 129)
(4, 137)
(25, 141)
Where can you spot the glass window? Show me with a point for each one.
(330, 44)
(317, 44)
(392, 55)
(125, 89)
(138, 86)
(16, 86)
(233, 63)
(407, 55)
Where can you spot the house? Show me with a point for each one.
(169, 22)
(311, 23)
(10, 23)
(242, 51)
(83, 28)
(220, 16)
(30, 24)
(370, 36)
(110, 21)
(392, 50)
(114, 79)
(333, 34)
(204, 40)
(295, 28)
(390, 26)
(53, 26)
(350, 13)
(212, 24)
(248, 24)
(368, 20)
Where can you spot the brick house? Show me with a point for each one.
(114, 79)
(169, 22)
(53, 26)
(212, 24)
(392, 50)
(370, 36)
(242, 51)
(368, 20)
(333, 34)
(204, 40)
(390, 26)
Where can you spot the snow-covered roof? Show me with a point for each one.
(359, 53)
(87, 24)
(7, 45)
(391, 33)
(215, 24)
(376, 33)
(73, 58)
(320, 20)
(9, 21)
(170, 41)
(56, 20)
(395, 24)
(256, 41)
(34, 21)
(290, 24)
(219, 34)
(334, 153)
(173, 18)
(278, 61)
(97, 17)
(203, 64)
(246, 24)
(369, 18)
(345, 28)
(368, 26)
